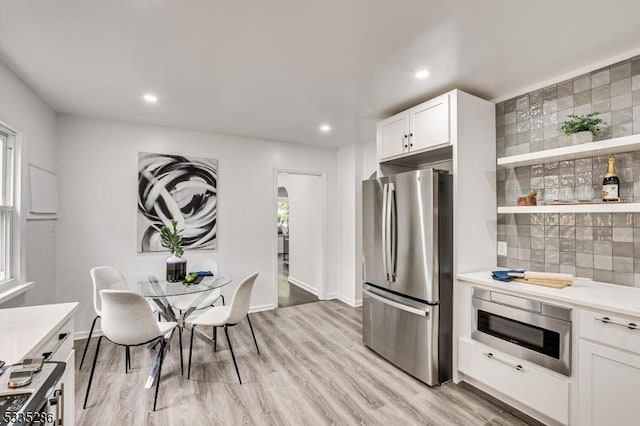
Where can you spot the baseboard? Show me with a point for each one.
(329, 296)
(81, 335)
(349, 301)
(303, 285)
(260, 308)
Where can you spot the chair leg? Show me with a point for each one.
(93, 369)
(193, 331)
(252, 333)
(181, 361)
(226, 332)
(126, 359)
(86, 345)
(215, 338)
(155, 398)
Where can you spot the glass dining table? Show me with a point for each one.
(161, 292)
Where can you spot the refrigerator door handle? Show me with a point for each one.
(385, 229)
(393, 231)
(397, 305)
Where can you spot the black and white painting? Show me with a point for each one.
(175, 187)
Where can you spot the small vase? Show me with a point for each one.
(581, 137)
(176, 268)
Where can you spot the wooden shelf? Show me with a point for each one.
(573, 208)
(573, 152)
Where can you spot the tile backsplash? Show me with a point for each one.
(605, 247)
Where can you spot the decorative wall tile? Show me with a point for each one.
(604, 247)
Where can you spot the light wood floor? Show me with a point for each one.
(313, 370)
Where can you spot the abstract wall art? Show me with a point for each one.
(175, 187)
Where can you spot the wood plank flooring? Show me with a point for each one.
(313, 370)
(290, 294)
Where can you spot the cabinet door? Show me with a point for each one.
(609, 383)
(534, 386)
(429, 124)
(393, 136)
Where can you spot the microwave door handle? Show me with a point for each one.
(385, 227)
(393, 225)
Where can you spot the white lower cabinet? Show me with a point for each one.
(609, 381)
(545, 392)
(60, 348)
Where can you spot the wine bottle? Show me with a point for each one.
(611, 183)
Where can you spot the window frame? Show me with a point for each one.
(11, 184)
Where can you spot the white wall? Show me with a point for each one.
(305, 229)
(22, 110)
(98, 182)
(356, 163)
(348, 260)
(369, 159)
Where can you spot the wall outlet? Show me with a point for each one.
(502, 248)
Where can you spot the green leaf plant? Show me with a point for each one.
(582, 123)
(172, 239)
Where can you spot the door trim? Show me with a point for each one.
(322, 291)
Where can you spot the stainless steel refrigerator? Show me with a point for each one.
(407, 294)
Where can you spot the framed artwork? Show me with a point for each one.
(180, 188)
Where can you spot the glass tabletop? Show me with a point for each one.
(156, 285)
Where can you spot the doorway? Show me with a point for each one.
(300, 266)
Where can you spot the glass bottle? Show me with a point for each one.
(611, 183)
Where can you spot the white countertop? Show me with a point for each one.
(22, 329)
(588, 294)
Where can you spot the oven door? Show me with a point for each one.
(524, 334)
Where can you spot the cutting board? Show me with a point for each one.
(545, 283)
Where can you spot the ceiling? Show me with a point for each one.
(277, 69)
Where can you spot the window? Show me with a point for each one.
(7, 208)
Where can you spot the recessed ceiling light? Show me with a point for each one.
(325, 128)
(422, 74)
(150, 98)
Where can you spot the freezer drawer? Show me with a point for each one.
(405, 335)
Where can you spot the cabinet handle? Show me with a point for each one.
(47, 355)
(607, 320)
(492, 356)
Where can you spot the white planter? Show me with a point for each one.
(581, 137)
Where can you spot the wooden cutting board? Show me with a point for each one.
(545, 283)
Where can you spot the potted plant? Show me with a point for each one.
(582, 128)
(176, 264)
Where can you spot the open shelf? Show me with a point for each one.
(573, 152)
(573, 208)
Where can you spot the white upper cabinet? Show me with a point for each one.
(393, 135)
(420, 128)
(429, 124)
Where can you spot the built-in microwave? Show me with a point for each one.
(525, 328)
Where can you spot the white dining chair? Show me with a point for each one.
(127, 320)
(102, 277)
(183, 303)
(227, 316)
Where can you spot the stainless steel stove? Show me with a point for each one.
(36, 403)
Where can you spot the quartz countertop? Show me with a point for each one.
(583, 293)
(23, 329)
